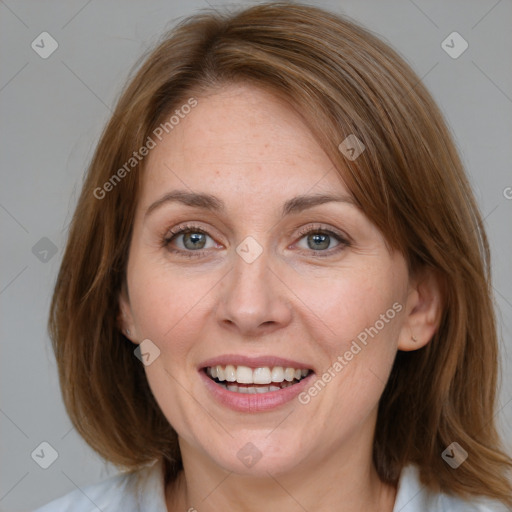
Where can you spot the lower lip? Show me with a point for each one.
(257, 402)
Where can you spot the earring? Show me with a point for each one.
(127, 331)
(414, 339)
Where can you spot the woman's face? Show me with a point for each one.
(266, 278)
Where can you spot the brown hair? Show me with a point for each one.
(409, 181)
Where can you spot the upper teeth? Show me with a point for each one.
(246, 375)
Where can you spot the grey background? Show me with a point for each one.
(53, 110)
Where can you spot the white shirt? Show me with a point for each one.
(143, 491)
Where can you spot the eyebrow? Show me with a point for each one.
(212, 203)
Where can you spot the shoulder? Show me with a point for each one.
(413, 496)
(102, 495)
(136, 491)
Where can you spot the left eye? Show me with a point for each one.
(319, 240)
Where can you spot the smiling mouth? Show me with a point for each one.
(243, 379)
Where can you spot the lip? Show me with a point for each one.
(257, 402)
(253, 362)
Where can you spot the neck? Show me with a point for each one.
(339, 483)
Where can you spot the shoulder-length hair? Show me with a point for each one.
(409, 182)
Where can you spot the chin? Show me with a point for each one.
(257, 456)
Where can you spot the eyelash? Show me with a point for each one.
(190, 228)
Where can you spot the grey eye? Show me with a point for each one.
(318, 241)
(194, 240)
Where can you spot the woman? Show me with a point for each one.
(276, 290)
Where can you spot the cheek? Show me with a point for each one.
(169, 308)
(361, 315)
(369, 326)
(359, 321)
(353, 302)
(164, 301)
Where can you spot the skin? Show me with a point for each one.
(253, 151)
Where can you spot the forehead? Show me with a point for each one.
(240, 139)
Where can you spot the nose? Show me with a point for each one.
(254, 300)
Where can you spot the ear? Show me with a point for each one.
(124, 319)
(423, 309)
